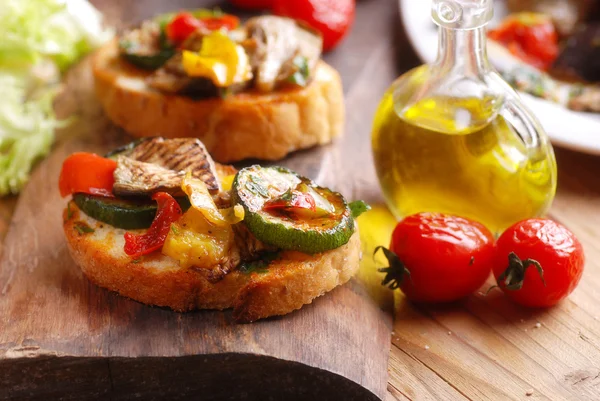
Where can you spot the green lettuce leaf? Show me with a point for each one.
(38, 40)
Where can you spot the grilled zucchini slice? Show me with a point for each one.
(330, 226)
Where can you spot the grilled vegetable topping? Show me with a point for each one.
(184, 24)
(529, 36)
(143, 244)
(204, 54)
(202, 201)
(160, 164)
(87, 173)
(120, 213)
(194, 241)
(147, 47)
(220, 59)
(290, 211)
(280, 49)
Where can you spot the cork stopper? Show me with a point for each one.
(462, 14)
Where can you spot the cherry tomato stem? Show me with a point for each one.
(446, 257)
(554, 253)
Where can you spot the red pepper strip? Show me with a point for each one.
(184, 24)
(168, 212)
(87, 173)
(227, 21)
(530, 38)
(294, 200)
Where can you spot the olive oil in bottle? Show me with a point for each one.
(454, 138)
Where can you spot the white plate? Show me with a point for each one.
(571, 129)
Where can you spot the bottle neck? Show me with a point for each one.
(462, 51)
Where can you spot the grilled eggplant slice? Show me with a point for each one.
(136, 178)
(275, 45)
(160, 164)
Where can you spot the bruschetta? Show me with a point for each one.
(258, 90)
(159, 222)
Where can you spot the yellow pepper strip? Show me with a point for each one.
(227, 182)
(220, 59)
(202, 201)
(193, 241)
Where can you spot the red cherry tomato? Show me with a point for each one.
(438, 258)
(87, 173)
(252, 4)
(168, 212)
(538, 262)
(332, 18)
(292, 200)
(182, 26)
(531, 37)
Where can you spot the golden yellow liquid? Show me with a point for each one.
(481, 172)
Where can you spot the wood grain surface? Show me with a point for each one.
(83, 342)
(481, 348)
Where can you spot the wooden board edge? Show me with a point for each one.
(40, 376)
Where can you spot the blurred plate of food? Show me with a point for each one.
(547, 49)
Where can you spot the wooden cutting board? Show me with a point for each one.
(62, 335)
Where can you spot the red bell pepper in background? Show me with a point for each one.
(182, 26)
(531, 37)
(332, 18)
(87, 173)
(168, 212)
(185, 23)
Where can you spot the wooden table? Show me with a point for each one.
(482, 348)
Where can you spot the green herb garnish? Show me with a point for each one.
(69, 211)
(83, 228)
(256, 186)
(300, 77)
(287, 196)
(261, 265)
(125, 44)
(358, 207)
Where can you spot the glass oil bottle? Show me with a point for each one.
(453, 137)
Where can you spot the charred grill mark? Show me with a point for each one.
(143, 151)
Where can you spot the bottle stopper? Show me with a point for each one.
(462, 14)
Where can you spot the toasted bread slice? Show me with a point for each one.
(289, 282)
(246, 125)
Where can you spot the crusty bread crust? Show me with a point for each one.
(245, 125)
(289, 283)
